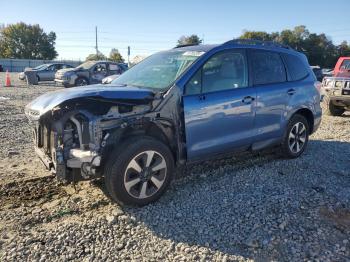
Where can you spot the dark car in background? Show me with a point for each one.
(91, 72)
(318, 72)
(45, 72)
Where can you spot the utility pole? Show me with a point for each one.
(96, 41)
(128, 55)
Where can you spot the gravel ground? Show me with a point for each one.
(244, 208)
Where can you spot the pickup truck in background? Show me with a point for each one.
(335, 90)
(342, 67)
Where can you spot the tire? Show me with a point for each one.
(296, 137)
(129, 177)
(330, 109)
(81, 81)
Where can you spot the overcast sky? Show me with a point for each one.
(150, 26)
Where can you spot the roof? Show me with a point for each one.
(244, 43)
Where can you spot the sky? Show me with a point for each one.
(154, 25)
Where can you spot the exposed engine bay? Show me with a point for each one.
(78, 133)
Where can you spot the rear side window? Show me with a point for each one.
(114, 69)
(296, 68)
(268, 67)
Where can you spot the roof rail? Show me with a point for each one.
(184, 45)
(256, 42)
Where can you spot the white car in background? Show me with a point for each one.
(109, 79)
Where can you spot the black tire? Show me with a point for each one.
(81, 81)
(330, 109)
(287, 148)
(118, 171)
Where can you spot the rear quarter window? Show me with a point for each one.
(296, 68)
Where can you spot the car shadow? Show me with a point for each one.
(222, 205)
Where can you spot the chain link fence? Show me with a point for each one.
(18, 65)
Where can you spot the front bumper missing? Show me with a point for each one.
(79, 157)
(85, 160)
(45, 159)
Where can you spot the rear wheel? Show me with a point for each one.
(139, 172)
(81, 81)
(296, 137)
(330, 109)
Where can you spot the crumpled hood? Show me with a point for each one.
(48, 101)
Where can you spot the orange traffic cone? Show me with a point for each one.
(8, 79)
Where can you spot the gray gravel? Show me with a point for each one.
(249, 207)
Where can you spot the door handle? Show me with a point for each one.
(248, 99)
(291, 92)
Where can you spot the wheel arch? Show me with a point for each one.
(307, 113)
(158, 130)
(81, 77)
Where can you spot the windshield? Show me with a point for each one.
(158, 71)
(86, 65)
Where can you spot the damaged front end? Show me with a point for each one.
(75, 129)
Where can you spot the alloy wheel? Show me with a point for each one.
(297, 137)
(145, 174)
(82, 82)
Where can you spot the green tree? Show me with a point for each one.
(189, 40)
(96, 57)
(27, 42)
(318, 48)
(115, 56)
(256, 35)
(344, 49)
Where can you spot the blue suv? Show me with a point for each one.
(187, 104)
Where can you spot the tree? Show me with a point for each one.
(256, 35)
(344, 49)
(115, 56)
(24, 41)
(318, 48)
(189, 40)
(96, 57)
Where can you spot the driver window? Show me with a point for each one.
(100, 69)
(223, 71)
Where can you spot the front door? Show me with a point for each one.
(48, 74)
(99, 72)
(219, 106)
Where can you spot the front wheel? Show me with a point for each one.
(296, 137)
(139, 171)
(330, 109)
(81, 82)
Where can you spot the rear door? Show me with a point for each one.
(114, 69)
(273, 93)
(219, 106)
